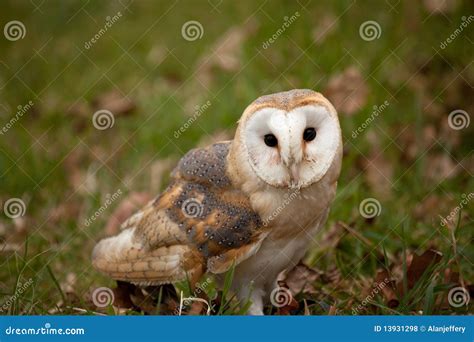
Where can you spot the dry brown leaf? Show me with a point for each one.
(326, 25)
(226, 52)
(446, 134)
(379, 174)
(197, 308)
(430, 106)
(126, 208)
(334, 275)
(156, 55)
(332, 236)
(145, 303)
(378, 170)
(82, 181)
(65, 211)
(67, 286)
(14, 234)
(387, 286)
(412, 145)
(418, 266)
(451, 277)
(440, 167)
(407, 141)
(79, 109)
(122, 295)
(348, 91)
(115, 102)
(440, 6)
(301, 279)
(429, 207)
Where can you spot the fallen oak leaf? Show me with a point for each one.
(226, 52)
(122, 295)
(440, 167)
(115, 102)
(440, 6)
(419, 265)
(378, 169)
(348, 91)
(301, 279)
(387, 286)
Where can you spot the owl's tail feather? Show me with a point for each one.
(124, 257)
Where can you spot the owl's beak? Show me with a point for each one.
(295, 173)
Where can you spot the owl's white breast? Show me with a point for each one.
(291, 231)
(292, 222)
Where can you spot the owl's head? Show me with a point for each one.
(290, 138)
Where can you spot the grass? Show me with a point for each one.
(144, 57)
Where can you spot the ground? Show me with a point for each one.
(175, 74)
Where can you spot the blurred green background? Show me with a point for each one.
(144, 70)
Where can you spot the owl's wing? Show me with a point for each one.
(200, 222)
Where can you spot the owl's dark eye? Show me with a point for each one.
(270, 140)
(309, 134)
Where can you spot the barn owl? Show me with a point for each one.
(252, 204)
